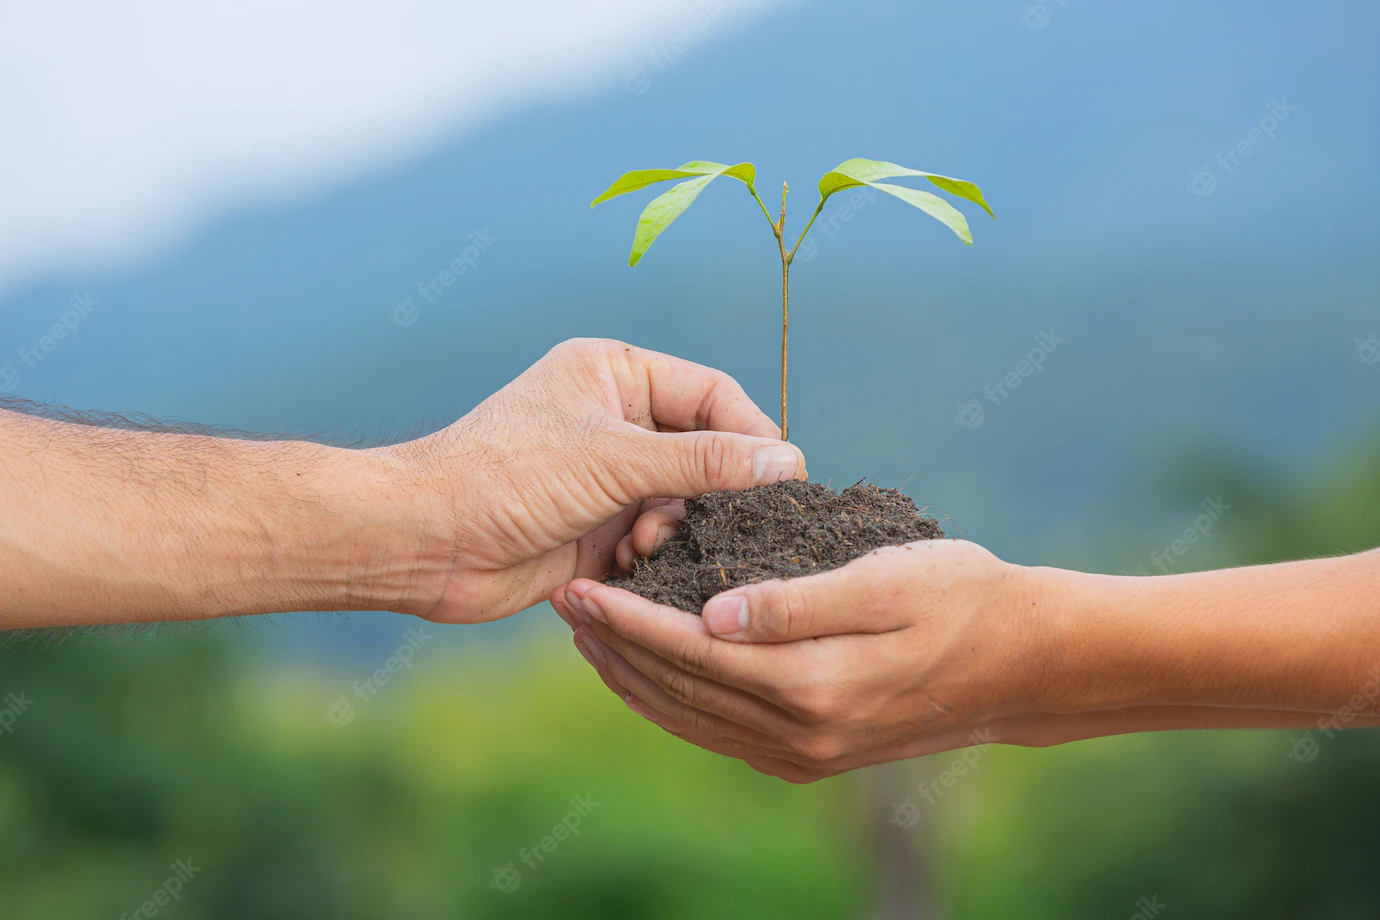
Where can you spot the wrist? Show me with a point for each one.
(324, 528)
(1035, 612)
(1081, 667)
(400, 551)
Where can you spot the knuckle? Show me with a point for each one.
(805, 777)
(798, 698)
(568, 347)
(787, 612)
(694, 657)
(585, 347)
(793, 773)
(831, 747)
(800, 744)
(678, 686)
(714, 459)
(815, 748)
(815, 704)
(701, 723)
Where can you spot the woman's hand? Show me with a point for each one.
(903, 651)
(939, 645)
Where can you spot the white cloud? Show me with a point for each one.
(127, 125)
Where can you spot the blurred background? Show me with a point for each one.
(240, 213)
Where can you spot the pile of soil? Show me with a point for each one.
(784, 530)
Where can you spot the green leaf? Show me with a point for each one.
(932, 205)
(858, 172)
(640, 179)
(871, 170)
(663, 210)
(743, 171)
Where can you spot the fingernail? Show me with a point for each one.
(726, 615)
(776, 463)
(637, 706)
(593, 610)
(589, 647)
(663, 533)
(576, 604)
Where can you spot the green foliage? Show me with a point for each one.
(136, 754)
(663, 210)
(856, 172)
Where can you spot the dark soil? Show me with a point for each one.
(784, 530)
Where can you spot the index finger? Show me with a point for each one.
(692, 397)
(682, 639)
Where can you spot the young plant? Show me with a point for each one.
(849, 174)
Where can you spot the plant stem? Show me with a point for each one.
(778, 229)
(785, 342)
(765, 212)
(808, 225)
(785, 312)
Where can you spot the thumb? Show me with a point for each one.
(689, 464)
(866, 596)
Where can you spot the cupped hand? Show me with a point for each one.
(905, 651)
(540, 482)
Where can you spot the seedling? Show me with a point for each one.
(663, 211)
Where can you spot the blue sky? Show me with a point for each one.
(1229, 315)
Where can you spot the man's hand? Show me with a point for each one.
(535, 487)
(538, 485)
(939, 645)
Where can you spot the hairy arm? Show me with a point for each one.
(534, 487)
(111, 525)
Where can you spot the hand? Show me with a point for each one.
(540, 482)
(902, 652)
(938, 645)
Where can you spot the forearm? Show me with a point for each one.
(1300, 636)
(107, 525)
